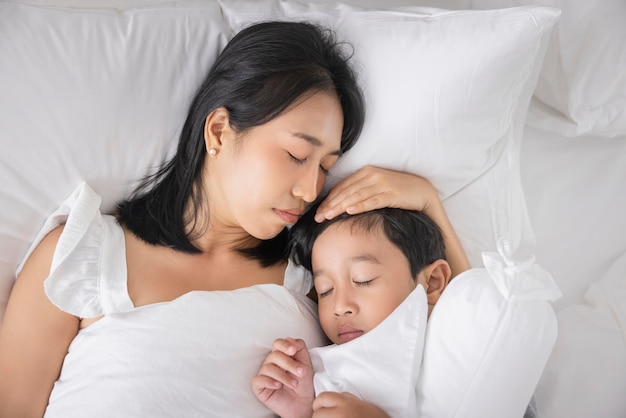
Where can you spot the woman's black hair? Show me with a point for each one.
(260, 72)
(415, 234)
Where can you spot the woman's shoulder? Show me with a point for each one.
(40, 256)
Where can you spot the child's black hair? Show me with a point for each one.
(416, 235)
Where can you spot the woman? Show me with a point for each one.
(104, 307)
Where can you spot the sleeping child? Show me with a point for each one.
(377, 276)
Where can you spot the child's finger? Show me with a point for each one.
(288, 345)
(279, 374)
(325, 400)
(302, 354)
(296, 351)
(263, 386)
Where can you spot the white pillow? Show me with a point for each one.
(91, 95)
(447, 93)
(582, 86)
(487, 342)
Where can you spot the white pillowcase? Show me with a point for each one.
(582, 86)
(91, 95)
(487, 342)
(447, 93)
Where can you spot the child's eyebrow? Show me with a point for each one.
(369, 258)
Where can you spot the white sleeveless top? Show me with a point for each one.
(190, 357)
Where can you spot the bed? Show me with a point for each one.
(529, 159)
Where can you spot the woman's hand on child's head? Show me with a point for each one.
(373, 188)
(285, 380)
(344, 405)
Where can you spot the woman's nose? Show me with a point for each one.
(309, 185)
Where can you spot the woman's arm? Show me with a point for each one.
(372, 188)
(34, 338)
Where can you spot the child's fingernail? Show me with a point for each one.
(300, 371)
(319, 217)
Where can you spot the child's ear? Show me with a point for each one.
(215, 126)
(437, 277)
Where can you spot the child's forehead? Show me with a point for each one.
(358, 227)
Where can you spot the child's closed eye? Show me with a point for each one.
(363, 283)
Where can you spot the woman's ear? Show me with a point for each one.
(216, 126)
(437, 275)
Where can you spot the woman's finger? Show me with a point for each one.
(342, 189)
(360, 199)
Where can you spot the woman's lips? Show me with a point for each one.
(289, 216)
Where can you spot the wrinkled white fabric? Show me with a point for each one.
(586, 373)
(381, 366)
(484, 349)
(520, 280)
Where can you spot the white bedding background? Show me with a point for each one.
(573, 172)
(576, 197)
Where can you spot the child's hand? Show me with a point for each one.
(344, 405)
(285, 380)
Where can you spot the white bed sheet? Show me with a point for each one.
(576, 194)
(575, 190)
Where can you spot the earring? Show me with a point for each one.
(212, 152)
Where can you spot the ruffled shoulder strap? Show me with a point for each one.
(88, 271)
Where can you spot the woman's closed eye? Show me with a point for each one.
(302, 161)
(299, 161)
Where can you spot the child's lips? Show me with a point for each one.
(348, 334)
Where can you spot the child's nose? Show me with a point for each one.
(344, 304)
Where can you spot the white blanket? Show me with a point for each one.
(383, 365)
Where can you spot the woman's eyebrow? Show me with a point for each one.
(313, 141)
(308, 138)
